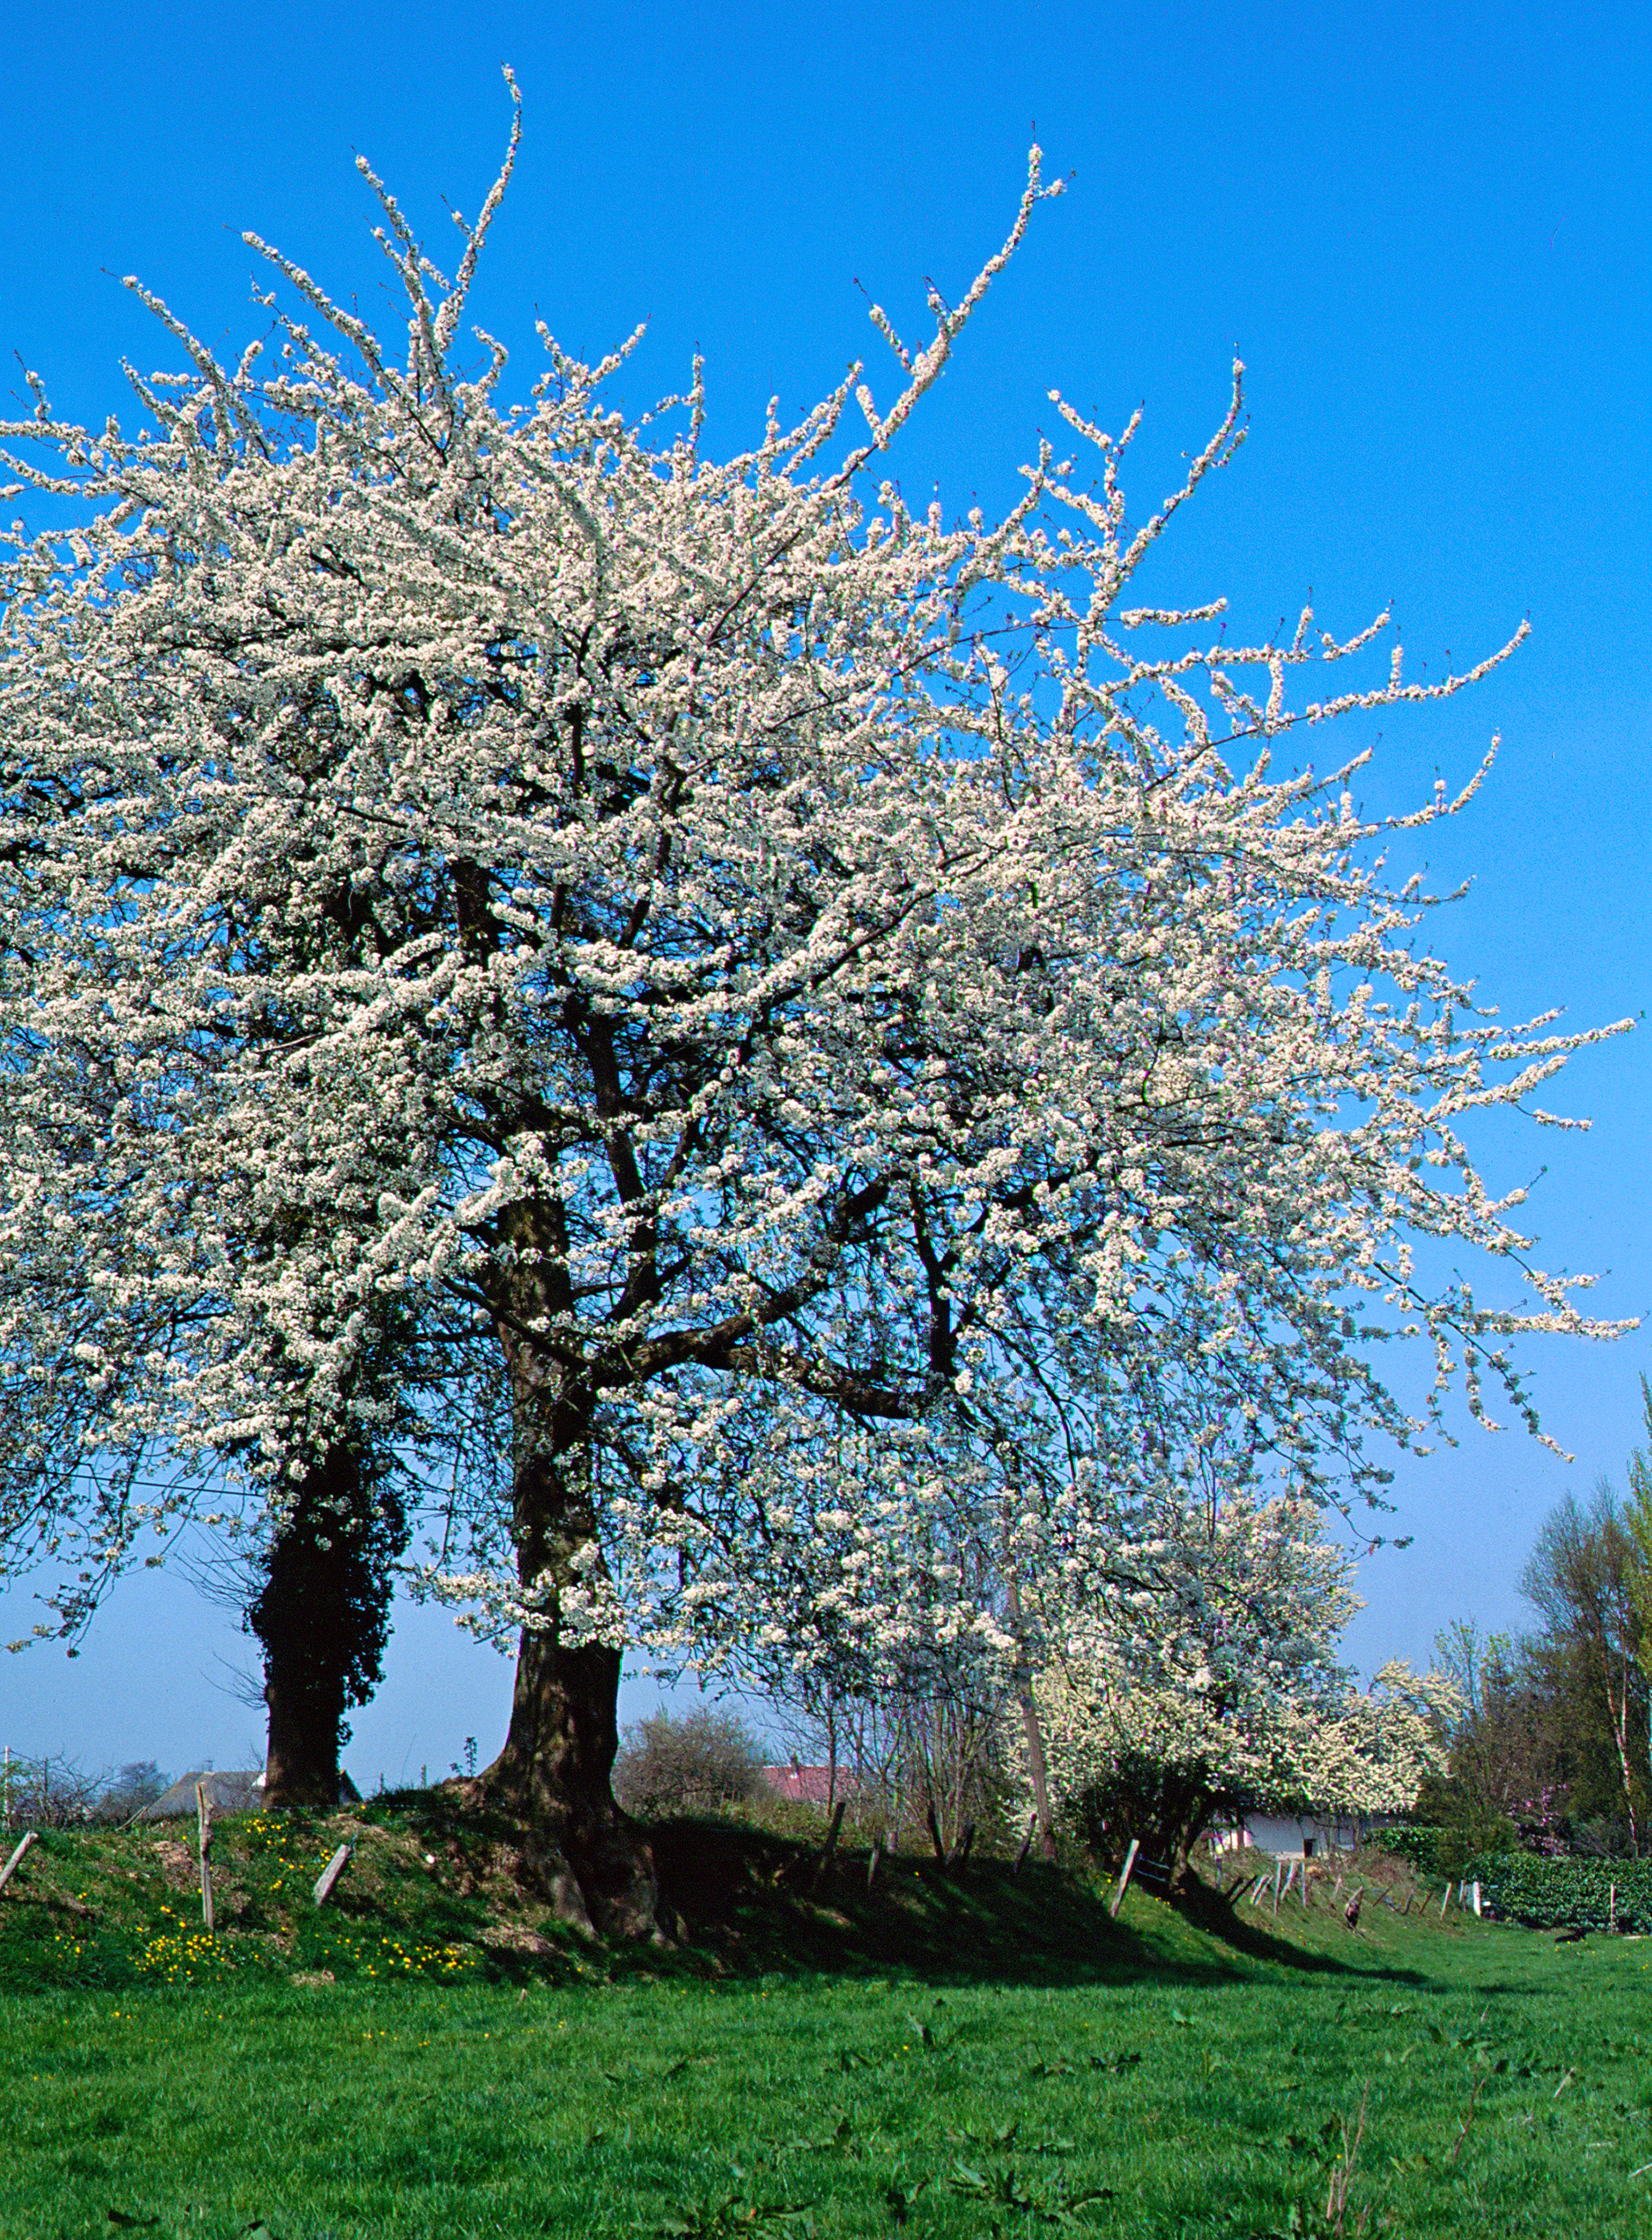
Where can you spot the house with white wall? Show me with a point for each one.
(1299, 1835)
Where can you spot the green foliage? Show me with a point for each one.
(1553, 1731)
(321, 1598)
(1565, 1893)
(1415, 1844)
(1166, 1806)
(1447, 1847)
(698, 1763)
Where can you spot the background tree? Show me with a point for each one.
(1549, 1743)
(1637, 1523)
(1235, 1701)
(696, 1761)
(1582, 1579)
(1501, 1784)
(810, 980)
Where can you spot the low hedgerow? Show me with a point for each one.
(1432, 1850)
(1565, 1893)
(1418, 1846)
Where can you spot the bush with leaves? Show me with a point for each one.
(699, 1763)
(1565, 1893)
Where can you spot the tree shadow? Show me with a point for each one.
(748, 1902)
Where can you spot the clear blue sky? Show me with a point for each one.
(1426, 230)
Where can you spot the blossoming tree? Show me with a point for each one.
(1207, 1683)
(796, 973)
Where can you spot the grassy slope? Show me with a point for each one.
(963, 2059)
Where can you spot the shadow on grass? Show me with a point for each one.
(454, 1874)
(758, 1902)
(1225, 1920)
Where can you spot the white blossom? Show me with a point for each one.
(842, 1001)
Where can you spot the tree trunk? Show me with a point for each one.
(1619, 1712)
(1037, 1766)
(301, 1763)
(322, 1618)
(553, 1775)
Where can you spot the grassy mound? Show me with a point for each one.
(438, 1889)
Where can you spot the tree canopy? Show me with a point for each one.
(1230, 1696)
(835, 996)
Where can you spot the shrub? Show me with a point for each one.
(1417, 1846)
(696, 1763)
(55, 1793)
(1448, 1850)
(1564, 1893)
(50, 1793)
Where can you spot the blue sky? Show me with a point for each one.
(1426, 232)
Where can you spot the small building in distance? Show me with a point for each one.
(1299, 1835)
(229, 1794)
(808, 1785)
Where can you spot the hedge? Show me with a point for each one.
(1416, 1846)
(1544, 1893)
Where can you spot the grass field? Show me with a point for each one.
(946, 2057)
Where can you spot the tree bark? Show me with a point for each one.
(321, 1619)
(553, 1775)
(1619, 1712)
(301, 1762)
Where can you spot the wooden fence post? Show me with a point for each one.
(1123, 1880)
(203, 1817)
(330, 1872)
(17, 1859)
(1445, 1901)
(871, 1864)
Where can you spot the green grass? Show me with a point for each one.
(967, 2057)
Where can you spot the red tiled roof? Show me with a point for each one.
(807, 1785)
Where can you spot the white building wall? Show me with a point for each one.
(1294, 1835)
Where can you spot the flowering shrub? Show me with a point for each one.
(1223, 1693)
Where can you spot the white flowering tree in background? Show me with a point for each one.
(836, 997)
(1206, 1684)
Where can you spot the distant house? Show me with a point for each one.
(228, 1794)
(808, 1785)
(1299, 1835)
